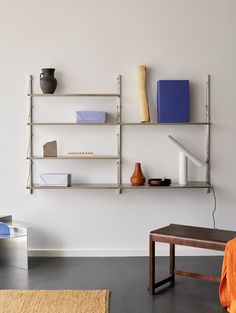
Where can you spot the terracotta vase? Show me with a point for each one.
(137, 179)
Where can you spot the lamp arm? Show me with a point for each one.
(183, 150)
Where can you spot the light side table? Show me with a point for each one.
(14, 247)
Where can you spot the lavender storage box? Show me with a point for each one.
(90, 117)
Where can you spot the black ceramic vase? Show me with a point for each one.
(48, 82)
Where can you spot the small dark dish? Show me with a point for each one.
(159, 182)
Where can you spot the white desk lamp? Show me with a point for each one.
(184, 154)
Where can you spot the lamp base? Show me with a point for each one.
(183, 169)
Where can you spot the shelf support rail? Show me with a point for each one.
(208, 130)
(30, 148)
(119, 135)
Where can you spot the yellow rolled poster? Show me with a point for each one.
(142, 94)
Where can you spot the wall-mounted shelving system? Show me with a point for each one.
(118, 157)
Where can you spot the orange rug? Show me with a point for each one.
(54, 301)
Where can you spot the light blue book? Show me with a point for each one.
(4, 229)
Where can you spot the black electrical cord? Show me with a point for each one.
(214, 209)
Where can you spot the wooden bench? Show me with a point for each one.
(199, 237)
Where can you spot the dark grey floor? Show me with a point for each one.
(126, 278)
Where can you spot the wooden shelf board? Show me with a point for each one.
(65, 157)
(190, 185)
(71, 124)
(77, 186)
(122, 124)
(165, 124)
(75, 95)
(175, 185)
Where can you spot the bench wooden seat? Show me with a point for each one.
(199, 237)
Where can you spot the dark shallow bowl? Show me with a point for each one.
(159, 182)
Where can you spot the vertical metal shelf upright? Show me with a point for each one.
(119, 135)
(208, 135)
(30, 92)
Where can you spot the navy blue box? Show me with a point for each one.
(173, 101)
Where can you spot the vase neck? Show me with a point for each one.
(48, 71)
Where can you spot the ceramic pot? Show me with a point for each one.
(48, 82)
(137, 179)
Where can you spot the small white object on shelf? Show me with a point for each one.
(55, 179)
(80, 154)
(184, 154)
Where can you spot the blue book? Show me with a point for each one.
(173, 101)
(4, 229)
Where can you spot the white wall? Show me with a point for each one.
(89, 43)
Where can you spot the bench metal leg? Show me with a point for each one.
(172, 262)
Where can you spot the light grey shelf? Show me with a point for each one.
(166, 124)
(71, 124)
(74, 95)
(77, 186)
(190, 185)
(64, 157)
(122, 124)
